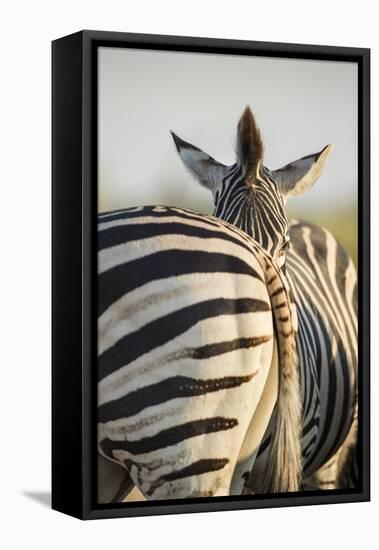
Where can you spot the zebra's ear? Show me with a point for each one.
(297, 177)
(206, 169)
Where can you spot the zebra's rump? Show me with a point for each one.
(185, 339)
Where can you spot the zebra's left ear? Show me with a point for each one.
(297, 177)
(206, 169)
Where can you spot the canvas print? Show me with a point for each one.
(227, 275)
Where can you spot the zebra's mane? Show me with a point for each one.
(250, 148)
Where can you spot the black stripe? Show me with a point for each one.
(305, 345)
(310, 425)
(308, 448)
(277, 292)
(264, 445)
(101, 216)
(124, 278)
(197, 468)
(342, 263)
(346, 416)
(171, 388)
(330, 405)
(161, 214)
(134, 215)
(211, 350)
(170, 436)
(227, 188)
(318, 240)
(355, 297)
(320, 453)
(121, 234)
(164, 329)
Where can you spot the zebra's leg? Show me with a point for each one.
(113, 481)
(340, 472)
(324, 478)
(347, 467)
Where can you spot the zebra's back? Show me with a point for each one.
(323, 280)
(323, 283)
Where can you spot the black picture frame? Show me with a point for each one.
(74, 204)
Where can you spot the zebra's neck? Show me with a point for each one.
(257, 209)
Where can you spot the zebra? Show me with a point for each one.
(312, 250)
(323, 284)
(195, 345)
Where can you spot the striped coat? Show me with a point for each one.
(187, 310)
(322, 280)
(325, 292)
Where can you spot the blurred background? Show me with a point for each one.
(300, 106)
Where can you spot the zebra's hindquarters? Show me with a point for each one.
(185, 347)
(188, 446)
(212, 272)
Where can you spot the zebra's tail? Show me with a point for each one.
(284, 470)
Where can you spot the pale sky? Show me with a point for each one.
(300, 106)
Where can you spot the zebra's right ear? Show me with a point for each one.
(206, 169)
